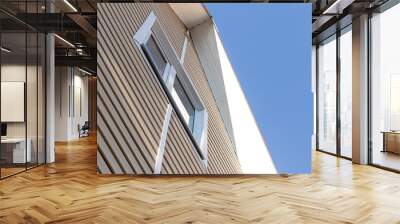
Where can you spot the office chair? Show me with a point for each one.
(84, 130)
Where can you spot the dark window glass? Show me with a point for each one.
(184, 104)
(156, 57)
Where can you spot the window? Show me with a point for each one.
(184, 104)
(346, 92)
(154, 53)
(175, 81)
(385, 89)
(327, 95)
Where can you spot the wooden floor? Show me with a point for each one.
(70, 191)
(5, 172)
(387, 159)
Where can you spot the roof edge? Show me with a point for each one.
(191, 14)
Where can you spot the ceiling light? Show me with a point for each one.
(338, 6)
(84, 71)
(5, 50)
(70, 5)
(65, 41)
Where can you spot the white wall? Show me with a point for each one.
(69, 82)
(78, 118)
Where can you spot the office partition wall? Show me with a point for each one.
(22, 87)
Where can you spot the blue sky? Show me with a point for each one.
(269, 46)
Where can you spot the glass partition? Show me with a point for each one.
(327, 95)
(13, 94)
(22, 88)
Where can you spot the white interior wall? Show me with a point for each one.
(69, 82)
(79, 117)
(61, 103)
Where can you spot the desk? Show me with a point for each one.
(391, 141)
(13, 150)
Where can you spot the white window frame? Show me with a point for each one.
(200, 123)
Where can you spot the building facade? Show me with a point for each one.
(158, 107)
(169, 101)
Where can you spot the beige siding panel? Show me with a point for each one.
(102, 166)
(131, 151)
(166, 168)
(131, 104)
(109, 155)
(173, 158)
(129, 113)
(119, 146)
(182, 148)
(128, 65)
(170, 160)
(155, 86)
(183, 141)
(172, 25)
(177, 157)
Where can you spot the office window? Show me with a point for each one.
(184, 104)
(327, 95)
(346, 93)
(155, 55)
(385, 88)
